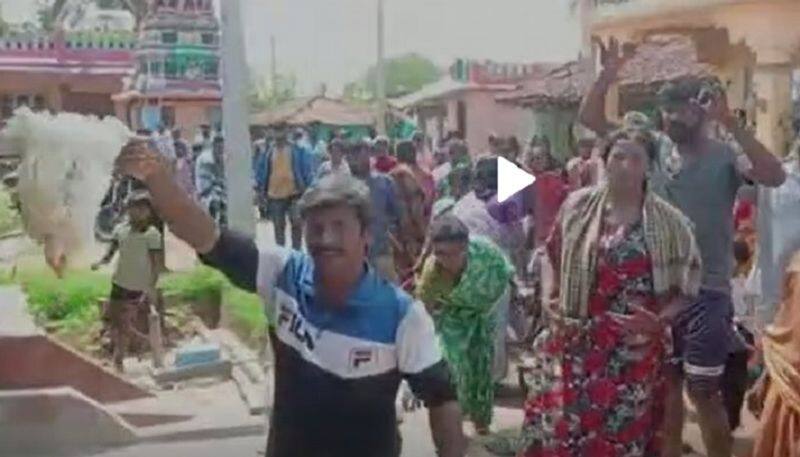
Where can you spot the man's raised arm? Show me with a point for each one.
(765, 167)
(185, 218)
(233, 254)
(592, 113)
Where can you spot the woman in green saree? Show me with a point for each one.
(461, 284)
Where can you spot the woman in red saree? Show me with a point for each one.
(621, 260)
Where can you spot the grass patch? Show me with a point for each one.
(9, 216)
(246, 316)
(198, 284)
(68, 307)
(69, 300)
(244, 311)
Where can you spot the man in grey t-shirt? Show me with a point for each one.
(702, 178)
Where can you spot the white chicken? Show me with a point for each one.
(66, 167)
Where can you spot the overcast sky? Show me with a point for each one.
(334, 41)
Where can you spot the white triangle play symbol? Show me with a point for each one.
(511, 179)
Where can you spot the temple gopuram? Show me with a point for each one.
(177, 69)
(167, 74)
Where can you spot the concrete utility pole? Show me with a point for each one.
(241, 215)
(273, 64)
(380, 74)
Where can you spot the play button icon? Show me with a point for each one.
(511, 179)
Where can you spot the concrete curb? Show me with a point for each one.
(251, 381)
(211, 433)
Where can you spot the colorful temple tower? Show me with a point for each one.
(177, 77)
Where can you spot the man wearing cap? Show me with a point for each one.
(703, 184)
(343, 337)
(283, 175)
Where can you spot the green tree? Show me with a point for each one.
(136, 7)
(404, 74)
(266, 94)
(47, 12)
(4, 27)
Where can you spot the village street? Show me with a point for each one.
(415, 431)
(528, 212)
(417, 442)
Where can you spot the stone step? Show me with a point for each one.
(212, 410)
(59, 421)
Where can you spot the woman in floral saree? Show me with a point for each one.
(462, 284)
(623, 261)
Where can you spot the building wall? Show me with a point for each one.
(556, 124)
(485, 116)
(82, 94)
(189, 116)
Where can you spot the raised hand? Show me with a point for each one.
(138, 160)
(613, 56)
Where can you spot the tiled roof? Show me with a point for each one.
(320, 109)
(659, 59)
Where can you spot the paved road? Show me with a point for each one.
(416, 442)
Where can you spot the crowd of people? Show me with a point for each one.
(654, 273)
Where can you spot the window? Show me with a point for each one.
(170, 69)
(6, 106)
(208, 38)
(214, 116)
(39, 103)
(169, 37)
(156, 68)
(168, 116)
(461, 116)
(211, 69)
